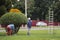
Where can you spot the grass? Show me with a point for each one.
(35, 35)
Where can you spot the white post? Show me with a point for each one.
(26, 8)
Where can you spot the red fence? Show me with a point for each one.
(54, 23)
(34, 22)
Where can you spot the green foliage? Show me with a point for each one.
(5, 5)
(2, 2)
(56, 10)
(8, 4)
(21, 5)
(36, 8)
(14, 18)
(2, 10)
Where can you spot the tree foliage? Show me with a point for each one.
(36, 8)
(13, 18)
(5, 5)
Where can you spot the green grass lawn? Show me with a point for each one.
(35, 35)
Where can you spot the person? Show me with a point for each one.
(29, 24)
(12, 26)
(10, 29)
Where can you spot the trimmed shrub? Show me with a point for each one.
(13, 18)
(14, 10)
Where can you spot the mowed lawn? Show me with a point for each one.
(35, 35)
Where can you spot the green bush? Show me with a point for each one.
(13, 18)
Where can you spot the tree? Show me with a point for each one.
(5, 5)
(2, 10)
(21, 5)
(43, 6)
(11, 18)
(57, 11)
(41, 9)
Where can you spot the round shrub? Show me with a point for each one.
(13, 18)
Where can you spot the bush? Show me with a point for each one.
(14, 10)
(13, 18)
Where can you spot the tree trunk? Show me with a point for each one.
(16, 29)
